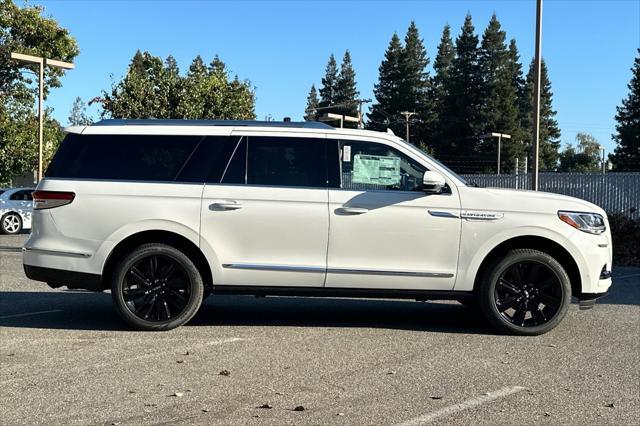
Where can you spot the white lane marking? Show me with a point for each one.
(470, 403)
(31, 313)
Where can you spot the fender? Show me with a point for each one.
(467, 271)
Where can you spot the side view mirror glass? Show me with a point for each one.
(432, 182)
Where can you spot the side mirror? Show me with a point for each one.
(433, 182)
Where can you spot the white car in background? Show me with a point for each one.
(16, 207)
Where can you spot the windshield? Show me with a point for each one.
(412, 147)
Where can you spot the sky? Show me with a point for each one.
(282, 47)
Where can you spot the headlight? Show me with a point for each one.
(593, 223)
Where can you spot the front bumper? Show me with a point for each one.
(588, 300)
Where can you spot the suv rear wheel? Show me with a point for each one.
(156, 287)
(527, 292)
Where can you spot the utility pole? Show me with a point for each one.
(536, 96)
(407, 115)
(41, 62)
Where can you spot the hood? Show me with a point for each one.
(524, 200)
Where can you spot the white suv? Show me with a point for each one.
(165, 212)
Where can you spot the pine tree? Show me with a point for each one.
(310, 113)
(171, 84)
(78, 115)
(346, 92)
(415, 85)
(460, 119)
(384, 112)
(440, 87)
(626, 156)
(499, 111)
(329, 81)
(549, 140)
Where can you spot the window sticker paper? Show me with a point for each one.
(376, 170)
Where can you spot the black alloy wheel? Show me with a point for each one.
(526, 292)
(157, 287)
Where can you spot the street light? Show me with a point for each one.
(500, 136)
(41, 64)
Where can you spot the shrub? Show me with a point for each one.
(626, 239)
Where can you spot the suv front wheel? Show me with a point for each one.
(156, 287)
(527, 292)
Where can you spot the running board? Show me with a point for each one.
(364, 293)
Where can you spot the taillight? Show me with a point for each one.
(51, 199)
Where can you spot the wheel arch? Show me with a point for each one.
(156, 236)
(546, 245)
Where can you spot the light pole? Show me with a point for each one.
(500, 136)
(407, 115)
(41, 64)
(536, 96)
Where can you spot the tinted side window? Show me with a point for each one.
(24, 195)
(137, 157)
(374, 166)
(235, 170)
(280, 161)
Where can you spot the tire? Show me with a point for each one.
(527, 292)
(11, 224)
(156, 287)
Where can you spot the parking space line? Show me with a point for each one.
(26, 314)
(470, 403)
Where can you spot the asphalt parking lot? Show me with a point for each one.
(66, 358)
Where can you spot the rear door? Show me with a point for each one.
(266, 219)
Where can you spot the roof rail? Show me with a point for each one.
(179, 122)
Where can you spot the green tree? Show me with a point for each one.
(549, 142)
(142, 93)
(153, 89)
(26, 30)
(460, 117)
(415, 86)
(384, 112)
(499, 110)
(329, 82)
(310, 113)
(626, 156)
(78, 115)
(346, 92)
(442, 66)
(584, 158)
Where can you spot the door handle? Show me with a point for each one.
(225, 205)
(352, 210)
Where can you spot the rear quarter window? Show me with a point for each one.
(163, 158)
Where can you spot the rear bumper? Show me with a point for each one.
(59, 277)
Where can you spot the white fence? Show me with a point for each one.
(614, 192)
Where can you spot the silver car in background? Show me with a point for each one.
(16, 207)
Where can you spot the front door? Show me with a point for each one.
(385, 232)
(267, 219)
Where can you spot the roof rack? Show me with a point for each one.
(179, 122)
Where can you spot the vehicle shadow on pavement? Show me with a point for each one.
(78, 310)
(74, 310)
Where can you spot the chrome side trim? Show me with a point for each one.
(387, 272)
(57, 252)
(263, 267)
(292, 268)
(440, 213)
